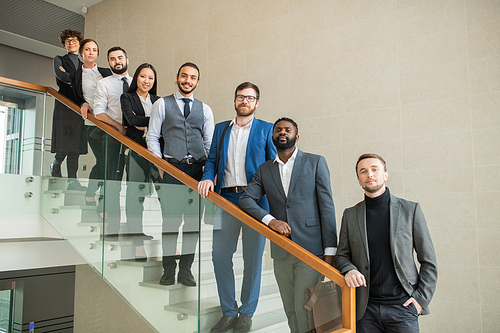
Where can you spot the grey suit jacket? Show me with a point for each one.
(408, 231)
(308, 208)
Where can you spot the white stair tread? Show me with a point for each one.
(211, 304)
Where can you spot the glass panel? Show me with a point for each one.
(21, 116)
(5, 311)
(21, 122)
(150, 224)
(130, 225)
(235, 250)
(69, 203)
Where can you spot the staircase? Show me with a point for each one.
(173, 308)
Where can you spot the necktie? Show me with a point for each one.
(186, 107)
(125, 84)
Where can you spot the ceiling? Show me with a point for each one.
(34, 25)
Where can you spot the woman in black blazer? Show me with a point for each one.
(84, 82)
(136, 107)
(66, 124)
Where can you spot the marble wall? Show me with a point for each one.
(415, 81)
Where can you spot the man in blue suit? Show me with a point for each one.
(238, 148)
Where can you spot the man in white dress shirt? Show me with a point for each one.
(297, 186)
(107, 108)
(238, 148)
(186, 125)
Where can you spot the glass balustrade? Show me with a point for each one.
(130, 222)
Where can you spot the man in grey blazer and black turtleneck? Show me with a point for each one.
(297, 186)
(375, 254)
(186, 126)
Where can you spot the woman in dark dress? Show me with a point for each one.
(136, 106)
(84, 82)
(67, 139)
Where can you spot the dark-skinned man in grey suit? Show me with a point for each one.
(297, 186)
(375, 254)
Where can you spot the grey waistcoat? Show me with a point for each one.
(183, 136)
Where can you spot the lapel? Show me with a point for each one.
(393, 222)
(77, 83)
(251, 135)
(251, 139)
(361, 221)
(275, 173)
(138, 104)
(297, 168)
(225, 147)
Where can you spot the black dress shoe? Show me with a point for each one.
(168, 278)
(186, 278)
(224, 324)
(243, 325)
(55, 170)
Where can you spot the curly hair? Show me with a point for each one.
(68, 33)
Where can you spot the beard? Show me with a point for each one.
(243, 112)
(121, 70)
(285, 145)
(372, 189)
(184, 91)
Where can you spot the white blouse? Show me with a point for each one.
(90, 76)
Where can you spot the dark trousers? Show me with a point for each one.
(138, 187)
(96, 176)
(115, 163)
(380, 318)
(176, 201)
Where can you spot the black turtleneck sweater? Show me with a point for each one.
(385, 287)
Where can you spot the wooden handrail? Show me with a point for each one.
(348, 294)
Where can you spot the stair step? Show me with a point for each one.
(211, 304)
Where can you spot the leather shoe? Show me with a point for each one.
(186, 278)
(224, 324)
(168, 278)
(55, 170)
(243, 325)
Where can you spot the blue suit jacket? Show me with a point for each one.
(260, 148)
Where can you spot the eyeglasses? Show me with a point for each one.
(71, 41)
(250, 99)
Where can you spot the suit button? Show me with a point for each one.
(366, 267)
(287, 206)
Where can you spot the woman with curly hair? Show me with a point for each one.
(67, 139)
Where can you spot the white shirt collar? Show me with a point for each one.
(93, 69)
(119, 77)
(291, 159)
(142, 98)
(179, 96)
(233, 122)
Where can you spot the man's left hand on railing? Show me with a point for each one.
(281, 227)
(204, 187)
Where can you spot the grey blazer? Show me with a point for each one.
(308, 209)
(408, 231)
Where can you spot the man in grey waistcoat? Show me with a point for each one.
(186, 126)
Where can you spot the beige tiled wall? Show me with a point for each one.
(416, 81)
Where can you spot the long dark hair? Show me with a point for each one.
(133, 86)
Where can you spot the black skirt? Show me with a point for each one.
(68, 133)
